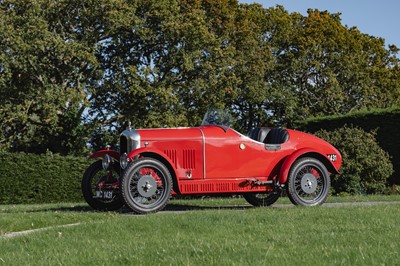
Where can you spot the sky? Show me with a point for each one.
(380, 18)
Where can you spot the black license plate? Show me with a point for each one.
(100, 194)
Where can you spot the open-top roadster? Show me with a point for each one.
(154, 164)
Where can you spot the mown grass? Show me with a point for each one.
(239, 201)
(203, 235)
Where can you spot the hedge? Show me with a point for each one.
(384, 121)
(47, 178)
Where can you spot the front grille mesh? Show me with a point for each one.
(123, 144)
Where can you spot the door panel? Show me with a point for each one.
(231, 155)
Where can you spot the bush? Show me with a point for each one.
(46, 178)
(366, 167)
(383, 121)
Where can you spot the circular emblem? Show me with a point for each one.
(242, 146)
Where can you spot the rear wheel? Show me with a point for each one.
(262, 199)
(146, 185)
(308, 182)
(100, 188)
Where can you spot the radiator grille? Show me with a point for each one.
(123, 145)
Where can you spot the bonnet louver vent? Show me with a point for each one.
(189, 159)
(172, 155)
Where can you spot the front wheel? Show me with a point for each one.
(146, 185)
(308, 182)
(100, 188)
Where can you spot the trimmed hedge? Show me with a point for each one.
(46, 178)
(384, 121)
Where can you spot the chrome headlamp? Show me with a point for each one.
(106, 162)
(124, 161)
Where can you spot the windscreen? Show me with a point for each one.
(217, 117)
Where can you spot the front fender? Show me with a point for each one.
(101, 153)
(150, 152)
(139, 151)
(284, 172)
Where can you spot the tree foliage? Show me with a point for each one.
(44, 71)
(73, 72)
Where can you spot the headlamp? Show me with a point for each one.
(124, 161)
(106, 162)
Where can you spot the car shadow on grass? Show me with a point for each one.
(186, 207)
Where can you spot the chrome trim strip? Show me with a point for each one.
(203, 138)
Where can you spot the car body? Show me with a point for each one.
(213, 158)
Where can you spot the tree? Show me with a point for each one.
(73, 72)
(43, 75)
(328, 68)
(165, 64)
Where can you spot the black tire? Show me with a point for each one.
(262, 199)
(146, 186)
(308, 182)
(92, 176)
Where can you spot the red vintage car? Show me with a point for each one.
(154, 164)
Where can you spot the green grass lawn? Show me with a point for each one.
(210, 232)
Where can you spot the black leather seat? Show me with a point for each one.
(276, 136)
(259, 133)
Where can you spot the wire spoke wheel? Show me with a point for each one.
(101, 188)
(146, 185)
(308, 182)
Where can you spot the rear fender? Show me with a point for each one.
(102, 153)
(287, 164)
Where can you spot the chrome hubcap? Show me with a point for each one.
(146, 186)
(309, 183)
